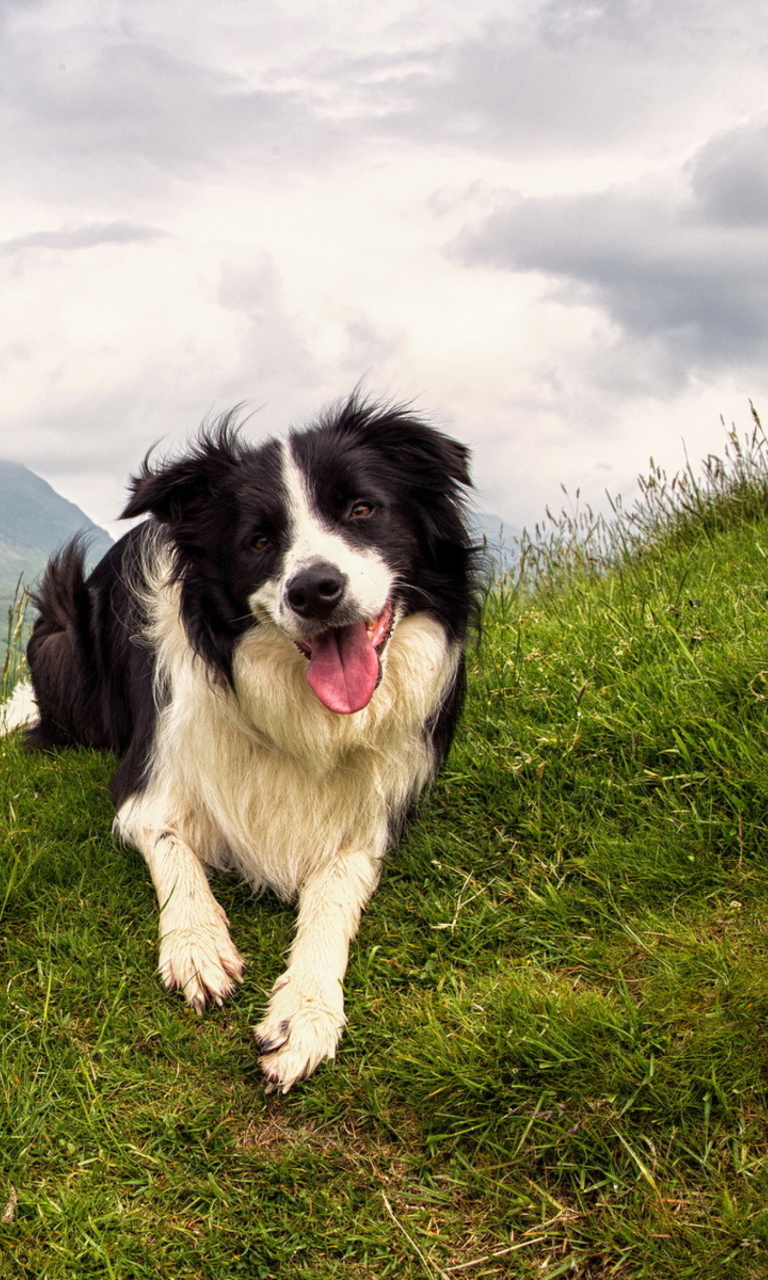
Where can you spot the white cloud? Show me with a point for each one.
(682, 276)
(729, 176)
(85, 237)
(213, 204)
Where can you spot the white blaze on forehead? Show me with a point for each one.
(369, 579)
(311, 541)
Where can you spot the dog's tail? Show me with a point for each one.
(62, 598)
(58, 652)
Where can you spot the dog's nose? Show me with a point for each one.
(316, 591)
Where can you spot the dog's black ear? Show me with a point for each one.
(168, 492)
(423, 454)
(178, 489)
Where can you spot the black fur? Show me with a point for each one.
(417, 473)
(91, 666)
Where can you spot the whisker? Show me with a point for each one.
(411, 586)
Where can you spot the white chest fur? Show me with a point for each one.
(267, 781)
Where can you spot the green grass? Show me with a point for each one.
(557, 1058)
(16, 612)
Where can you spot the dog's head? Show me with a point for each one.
(332, 536)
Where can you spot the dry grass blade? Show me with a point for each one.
(429, 1266)
(497, 1253)
(9, 1212)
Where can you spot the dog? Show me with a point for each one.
(277, 656)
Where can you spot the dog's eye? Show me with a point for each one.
(360, 511)
(261, 541)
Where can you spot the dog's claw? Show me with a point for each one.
(267, 1045)
(302, 1026)
(202, 963)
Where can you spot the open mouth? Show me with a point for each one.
(344, 665)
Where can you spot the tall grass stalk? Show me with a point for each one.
(577, 542)
(14, 662)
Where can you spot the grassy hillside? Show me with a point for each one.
(557, 1059)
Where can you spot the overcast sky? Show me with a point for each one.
(545, 221)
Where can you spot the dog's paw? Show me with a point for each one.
(202, 962)
(302, 1025)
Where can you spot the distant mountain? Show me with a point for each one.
(498, 537)
(34, 521)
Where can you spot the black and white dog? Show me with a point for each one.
(277, 656)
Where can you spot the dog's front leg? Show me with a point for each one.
(197, 955)
(304, 1019)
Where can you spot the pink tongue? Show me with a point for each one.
(343, 668)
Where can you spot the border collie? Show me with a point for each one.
(276, 655)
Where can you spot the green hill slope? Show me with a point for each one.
(557, 1058)
(35, 520)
